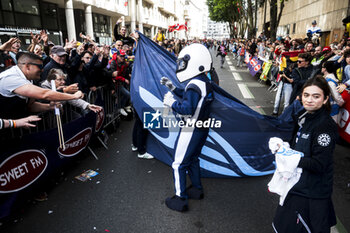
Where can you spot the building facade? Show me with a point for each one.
(67, 18)
(298, 15)
(217, 31)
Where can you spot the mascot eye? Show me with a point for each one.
(187, 57)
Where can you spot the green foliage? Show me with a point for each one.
(223, 10)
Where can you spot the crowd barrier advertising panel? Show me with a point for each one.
(27, 161)
(254, 65)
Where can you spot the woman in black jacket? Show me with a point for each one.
(308, 206)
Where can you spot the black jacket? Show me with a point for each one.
(316, 139)
(53, 65)
(299, 76)
(125, 39)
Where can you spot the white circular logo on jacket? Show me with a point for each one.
(324, 139)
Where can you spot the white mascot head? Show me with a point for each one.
(192, 61)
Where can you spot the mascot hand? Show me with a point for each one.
(168, 99)
(165, 81)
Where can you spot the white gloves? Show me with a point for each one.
(168, 99)
(166, 82)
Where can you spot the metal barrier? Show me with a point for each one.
(110, 101)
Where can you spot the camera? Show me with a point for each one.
(280, 72)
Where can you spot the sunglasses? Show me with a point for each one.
(40, 66)
(300, 61)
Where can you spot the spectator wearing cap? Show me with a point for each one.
(313, 29)
(121, 77)
(17, 93)
(58, 61)
(327, 53)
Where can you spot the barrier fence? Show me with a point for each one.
(30, 157)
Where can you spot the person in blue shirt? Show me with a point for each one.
(193, 63)
(313, 30)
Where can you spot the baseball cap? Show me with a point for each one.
(59, 50)
(121, 53)
(314, 22)
(327, 48)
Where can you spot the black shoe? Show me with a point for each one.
(274, 114)
(194, 193)
(176, 203)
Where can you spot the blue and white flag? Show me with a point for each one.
(236, 147)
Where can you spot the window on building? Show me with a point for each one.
(24, 20)
(294, 26)
(101, 23)
(27, 6)
(50, 15)
(8, 18)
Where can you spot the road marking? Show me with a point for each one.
(237, 76)
(253, 84)
(245, 91)
(232, 68)
(227, 58)
(229, 62)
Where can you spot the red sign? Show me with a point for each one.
(21, 169)
(344, 122)
(76, 144)
(99, 120)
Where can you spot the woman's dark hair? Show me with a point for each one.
(329, 66)
(305, 56)
(321, 83)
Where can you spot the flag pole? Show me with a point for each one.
(58, 120)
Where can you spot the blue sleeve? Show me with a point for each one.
(179, 92)
(189, 104)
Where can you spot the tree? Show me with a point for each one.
(274, 18)
(241, 11)
(224, 11)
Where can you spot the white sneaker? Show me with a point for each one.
(145, 156)
(133, 148)
(128, 109)
(122, 111)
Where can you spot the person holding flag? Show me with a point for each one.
(193, 62)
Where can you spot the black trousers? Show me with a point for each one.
(139, 135)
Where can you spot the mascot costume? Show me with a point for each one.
(194, 61)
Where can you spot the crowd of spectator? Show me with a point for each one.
(294, 61)
(86, 65)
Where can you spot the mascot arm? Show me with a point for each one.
(179, 92)
(189, 104)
